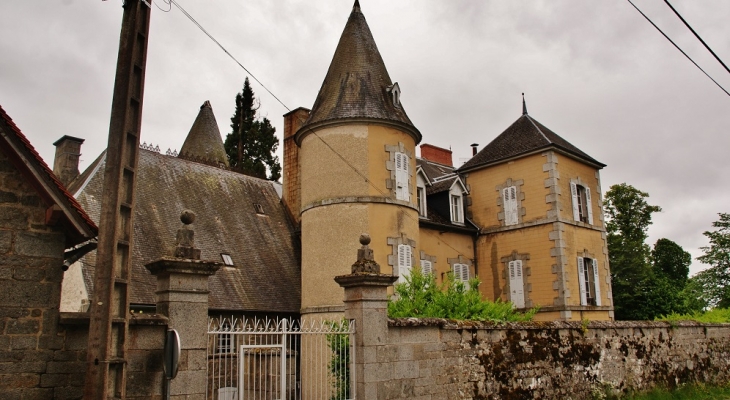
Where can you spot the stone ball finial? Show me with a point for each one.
(364, 239)
(187, 217)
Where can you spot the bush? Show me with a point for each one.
(714, 316)
(420, 296)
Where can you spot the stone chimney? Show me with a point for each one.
(436, 154)
(291, 186)
(66, 161)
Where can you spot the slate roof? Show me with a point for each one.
(357, 83)
(524, 136)
(24, 156)
(266, 276)
(204, 139)
(434, 170)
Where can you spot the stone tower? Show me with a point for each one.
(356, 157)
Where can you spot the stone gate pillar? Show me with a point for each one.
(366, 302)
(182, 296)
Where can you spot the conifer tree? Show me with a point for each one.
(252, 143)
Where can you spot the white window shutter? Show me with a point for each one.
(426, 267)
(401, 177)
(404, 262)
(574, 195)
(597, 282)
(582, 282)
(588, 206)
(509, 195)
(516, 284)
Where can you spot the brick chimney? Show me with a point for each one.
(66, 160)
(291, 187)
(436, 154)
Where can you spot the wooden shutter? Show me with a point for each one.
(596, 282)
(401, 177)
(510, 206)
(461, 273)
(582, 282)
(426, 267)
(516, 284)
(404, 262)
(576, 206)
(589, 209)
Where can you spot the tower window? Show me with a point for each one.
(582, 210)
(402, 163)
(590, 290)
(404, 261)
(259, 209)
(395, 92)
(227, 259)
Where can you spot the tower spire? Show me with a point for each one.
(524, 105)
(356, 6)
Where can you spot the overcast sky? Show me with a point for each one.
(595, 72)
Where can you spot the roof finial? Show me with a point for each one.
(356, 7)
(524, 106)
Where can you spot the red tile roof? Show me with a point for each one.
(52, 183)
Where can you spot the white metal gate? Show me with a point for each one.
(280, 359)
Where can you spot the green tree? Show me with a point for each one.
(252, 144)
(671, 261)
(628, 219)
(715, 280)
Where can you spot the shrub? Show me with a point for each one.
(420, 296)
(714, 316)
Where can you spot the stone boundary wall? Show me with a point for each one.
(439, 359)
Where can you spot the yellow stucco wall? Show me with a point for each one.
(533, 241)
(484, 194)
(325, 175)
(330, 232)
(444, 246)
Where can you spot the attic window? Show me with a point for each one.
(259, 208)
(227, 259)
(395, 92)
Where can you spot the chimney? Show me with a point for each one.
(474, 149)
(291, 187)
(436, 154)
(66, 160)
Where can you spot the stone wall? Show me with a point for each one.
(436, 359)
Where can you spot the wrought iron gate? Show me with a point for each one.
(280, 359)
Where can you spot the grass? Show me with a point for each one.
(687, 392)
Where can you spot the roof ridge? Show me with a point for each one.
(538, 129)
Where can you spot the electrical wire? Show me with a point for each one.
(678, 48)
(698, 36)
(190, 17)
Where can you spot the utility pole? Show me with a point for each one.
(107, 357)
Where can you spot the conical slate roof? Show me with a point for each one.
(525, 135)
(204, 139)
(357, 85)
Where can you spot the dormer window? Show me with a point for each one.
(395, 93)
(259, 208)
(227, 259)
(457, 209)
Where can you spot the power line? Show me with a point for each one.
(678, 48)
(698, 36)
(190, 17)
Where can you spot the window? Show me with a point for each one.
(225, 340)
(590, 290)
(404, 262)
(259, 208)
(401, 177)
(421, 195)
(426, 267)
(461, 273)
(509, 204)
(227, 259)
(516, 284)
(582, 210)
(457, 212)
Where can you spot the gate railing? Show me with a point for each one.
(280, 359)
